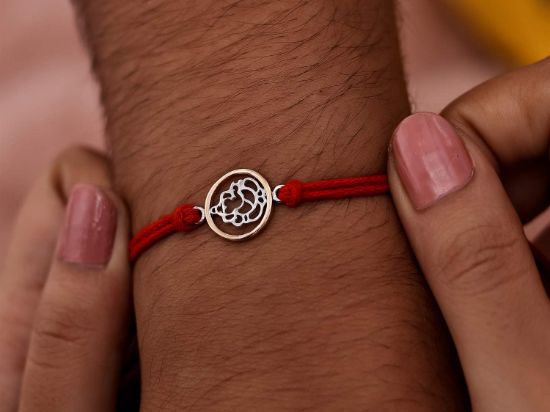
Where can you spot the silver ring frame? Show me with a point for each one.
(265, 218)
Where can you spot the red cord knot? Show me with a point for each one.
(185, 218)
(291, 194)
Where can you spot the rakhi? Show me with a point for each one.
(244, 207)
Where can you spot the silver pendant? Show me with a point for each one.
(245, 204)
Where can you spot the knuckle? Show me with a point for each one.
(58, 332)
(477, 259)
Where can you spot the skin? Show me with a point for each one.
(472, 247)
(63, 326)
(325, 310)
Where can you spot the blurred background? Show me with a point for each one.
(48, 98)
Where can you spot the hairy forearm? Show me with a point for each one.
(316, 84)
(325, 309)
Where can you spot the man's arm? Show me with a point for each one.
(325, 310)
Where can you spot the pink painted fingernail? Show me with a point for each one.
(88, 233)
(430, 158)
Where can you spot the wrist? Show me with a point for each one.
(326, 297)
(301, 97)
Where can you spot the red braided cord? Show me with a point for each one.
(345, 182)
(186, 217)
(295, 192)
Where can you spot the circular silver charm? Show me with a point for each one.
(246, 203)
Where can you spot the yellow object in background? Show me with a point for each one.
(517, 29)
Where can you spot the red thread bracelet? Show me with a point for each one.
(254, 198)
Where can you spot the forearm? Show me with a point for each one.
(325, 309)
(192, 84)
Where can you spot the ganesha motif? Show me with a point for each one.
(245, 204)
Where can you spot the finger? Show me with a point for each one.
(508, 118)
(29, 256)
(81, 323)
(527, 184)
(508, 115)
(471, 246)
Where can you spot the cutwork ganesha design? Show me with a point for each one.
(250, 198)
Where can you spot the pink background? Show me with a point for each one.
(48, 99)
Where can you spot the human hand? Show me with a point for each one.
(64, 310)
(324, 309)
(465, 228)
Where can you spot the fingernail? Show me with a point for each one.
(88, 233)
(430, 158)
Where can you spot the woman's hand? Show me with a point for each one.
(65, 293)
(463, 183)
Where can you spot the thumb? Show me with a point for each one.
(469, 239)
